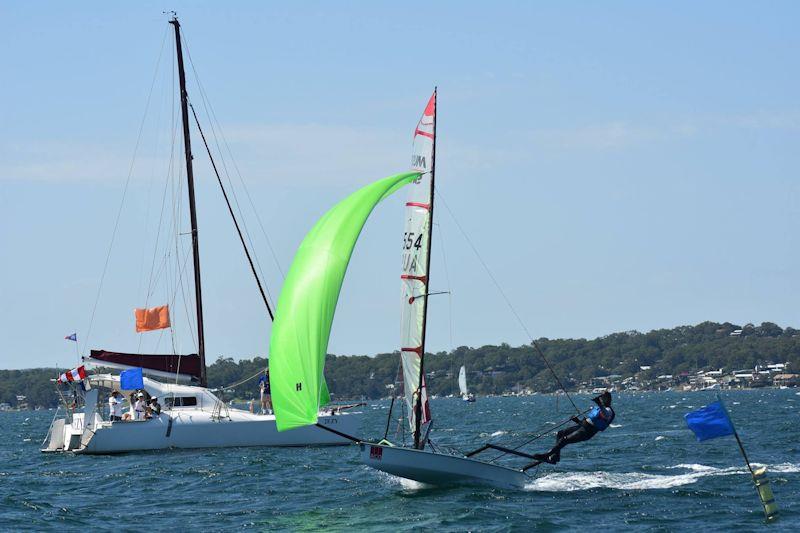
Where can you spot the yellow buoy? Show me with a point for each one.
(765, 493)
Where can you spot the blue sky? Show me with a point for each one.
(619, 166)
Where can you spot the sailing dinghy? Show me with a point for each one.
(304, 316)
(462, 385)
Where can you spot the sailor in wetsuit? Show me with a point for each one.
(598, 419)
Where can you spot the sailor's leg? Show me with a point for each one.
(580, 434)
(564, 432)
(555, 450)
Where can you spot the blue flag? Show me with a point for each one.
(73, 337)
(710, 422)
(131, 379)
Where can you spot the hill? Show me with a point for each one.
(497, 369)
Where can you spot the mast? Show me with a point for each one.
(418, 406)
(198, 294)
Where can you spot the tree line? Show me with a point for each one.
(496, 369)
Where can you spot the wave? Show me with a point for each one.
(575, 481)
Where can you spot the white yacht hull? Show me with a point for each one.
(197, 429)
(438, 469)
(206, 422)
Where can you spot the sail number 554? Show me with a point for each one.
(410, 242)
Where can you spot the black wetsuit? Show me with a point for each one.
(583, 430)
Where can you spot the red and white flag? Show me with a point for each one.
(76, 374)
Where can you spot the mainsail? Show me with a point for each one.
(462, 381)
(416, 254)
(307, 304)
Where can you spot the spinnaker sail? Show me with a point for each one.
(462, 382)
(307, 304)
(416, 255)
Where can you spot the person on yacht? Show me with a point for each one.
(131, 414)
(139, 407)
(115, 406)
(153, 408)
(266, 397)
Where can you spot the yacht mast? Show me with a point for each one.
(198, 295)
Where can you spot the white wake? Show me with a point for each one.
(574, 481)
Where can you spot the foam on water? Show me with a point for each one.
(498, 433)
(575, 481)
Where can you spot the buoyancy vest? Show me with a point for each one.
(601, 418)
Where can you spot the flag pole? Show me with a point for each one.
(736, 434)
(759, 476)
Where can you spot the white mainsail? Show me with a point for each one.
(416, 250)
(462, 381)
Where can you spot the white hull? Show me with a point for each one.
(197, 429)
(438, 469)
(207, 423)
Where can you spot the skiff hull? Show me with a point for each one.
(438, 469)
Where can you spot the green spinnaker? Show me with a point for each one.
(304, 315)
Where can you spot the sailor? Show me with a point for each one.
(115, 406)
(598, 419)
(266, 398)
(153, 408)
(131, 414)
(139, 407)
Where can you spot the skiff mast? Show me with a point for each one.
(420, 399)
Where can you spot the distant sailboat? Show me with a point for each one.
(462, 385)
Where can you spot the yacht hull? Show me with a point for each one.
(197, 429)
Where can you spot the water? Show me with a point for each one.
(647, 472)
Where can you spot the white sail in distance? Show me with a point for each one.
(414, 276)
(462, 381)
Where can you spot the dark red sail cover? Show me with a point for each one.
(189, 364)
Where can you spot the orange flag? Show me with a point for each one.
(152, 319)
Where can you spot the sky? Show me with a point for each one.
(617, 166)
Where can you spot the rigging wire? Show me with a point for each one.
(212, 120)
(230, 209)
(449, 298)
(508, 302)
(538, 435)
(170, 168)
(234, 385)
(449, 291)
(213, 116)
(124, 193)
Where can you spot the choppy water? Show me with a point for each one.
(647, 472)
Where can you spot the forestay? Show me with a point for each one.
(414, 276)
(307, 304)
